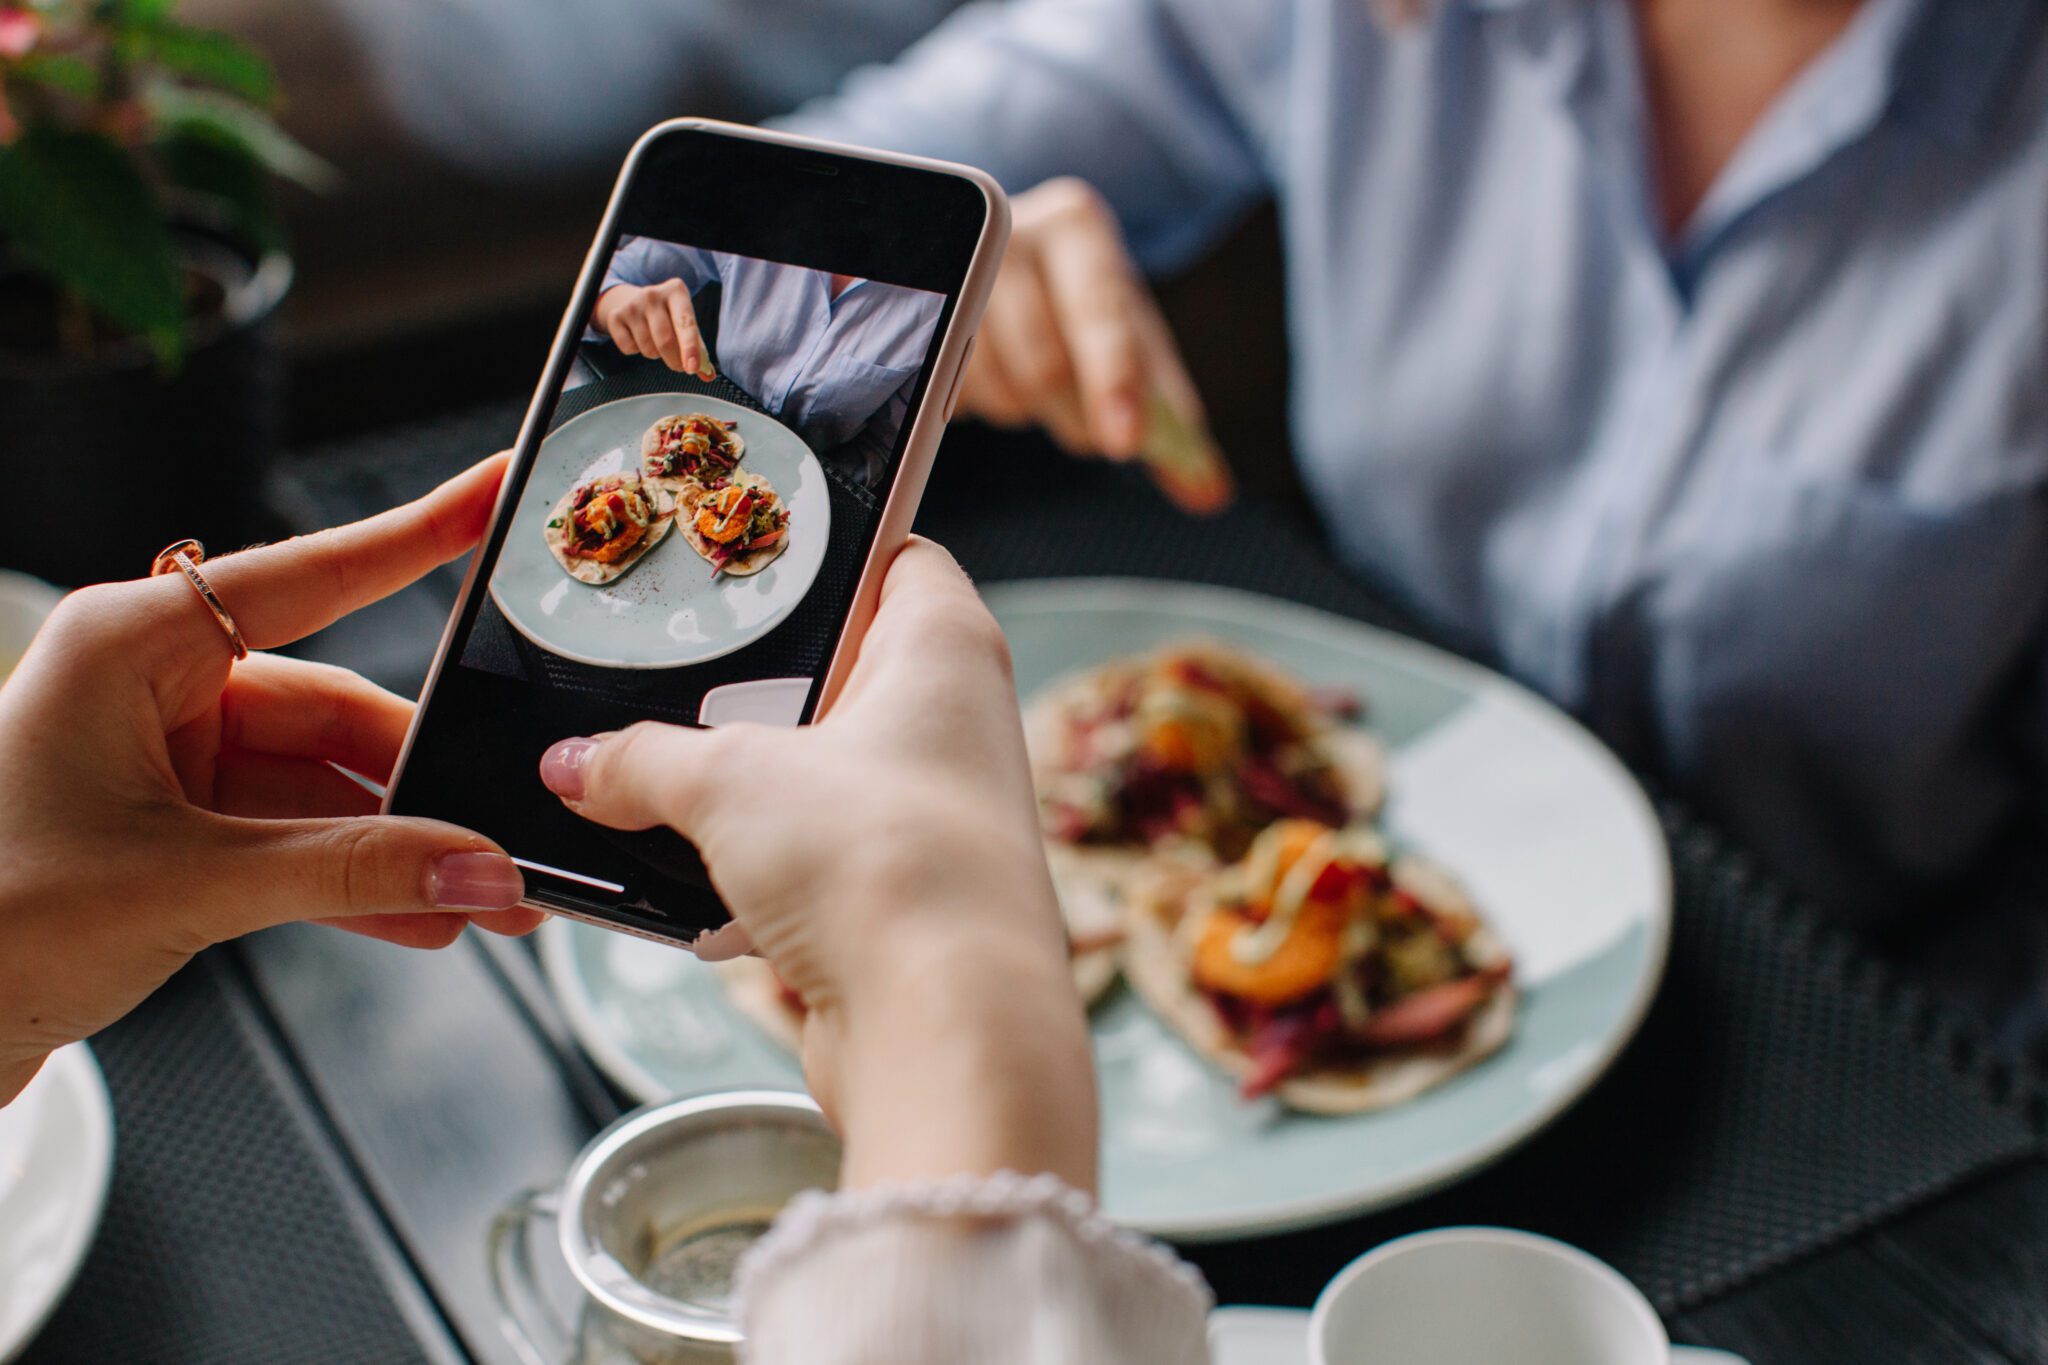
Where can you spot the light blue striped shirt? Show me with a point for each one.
(1765, 504)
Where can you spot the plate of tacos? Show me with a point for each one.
(1353, 917)
(663, 530)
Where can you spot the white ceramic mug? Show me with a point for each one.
(1482, 1296)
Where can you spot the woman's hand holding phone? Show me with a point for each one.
(657, 321)
(887, 862)
(154, 800)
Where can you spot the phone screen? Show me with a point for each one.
(697, 491)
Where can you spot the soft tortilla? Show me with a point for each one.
(1093, 886)
(743, 565)
(1096, 887)
(589, 570)
(651, 442)
(1157, 968)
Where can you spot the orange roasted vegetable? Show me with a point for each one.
(1302, 965)
(608, 522)
(1306, 959)
(726, 514)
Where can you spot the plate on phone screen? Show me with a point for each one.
(667, 610)
(1553, 837)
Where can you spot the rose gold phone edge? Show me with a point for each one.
(914, 470)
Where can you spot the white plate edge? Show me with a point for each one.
(30, 591)
(557, 939)
(75, 1067)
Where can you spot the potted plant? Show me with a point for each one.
(140, 267)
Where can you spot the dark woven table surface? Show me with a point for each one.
(1799, 1158)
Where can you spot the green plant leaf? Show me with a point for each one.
(75, 207)
(177, 110)
(203, 55)
(61, 71)
(228, 175)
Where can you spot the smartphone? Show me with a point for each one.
(727, 446)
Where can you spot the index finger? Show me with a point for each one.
(694, 357)
(280, 593)
(1099, 302)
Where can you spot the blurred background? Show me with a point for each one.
(475, 144)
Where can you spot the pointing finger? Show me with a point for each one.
(284, 592)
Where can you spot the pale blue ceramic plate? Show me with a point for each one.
(1549, 832)
(668, 610)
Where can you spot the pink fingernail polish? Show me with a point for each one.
(561, 767)
(474, 881)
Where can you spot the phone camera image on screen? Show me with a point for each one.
(722, 455)
(697, 494)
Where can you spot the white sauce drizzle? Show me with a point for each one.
(1171, 703)
(1256, 942)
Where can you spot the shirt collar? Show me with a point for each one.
(1844, 94)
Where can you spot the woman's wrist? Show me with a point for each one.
(968, 1053)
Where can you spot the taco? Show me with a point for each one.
(602, 528)
(1319, 972)
(737, 522)
(690, 445)
(1095, 926)
(1153, 770)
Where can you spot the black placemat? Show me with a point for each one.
(231, 1236)
(1785, 1091)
